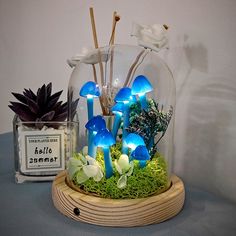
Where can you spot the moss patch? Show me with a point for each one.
(142, 183)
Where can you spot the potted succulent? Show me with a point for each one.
(41, 133)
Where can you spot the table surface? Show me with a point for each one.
(27, 209)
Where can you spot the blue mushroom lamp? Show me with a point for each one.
(141, 154)
(133, 140)
(104, 139)
(120, 173)
(118, 110)
(140, 87)
(90, 90)
(94, 125)
(124, 96)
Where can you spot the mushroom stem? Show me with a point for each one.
(91, 146)
(90, 107)
(125, 125)
(142, 163)
(108, 162)
(116, 125)
(143, 101)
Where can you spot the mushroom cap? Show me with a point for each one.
(141, 85)
(141, 153)
(118, 108)
(133, 99)
(104, 138)
(90, 88)
(133, 140)
(96, 123)
(124, 95)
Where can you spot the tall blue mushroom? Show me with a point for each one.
(124, 95)
(140, 87)
(118, 110)
(104, 139)
(133, 140)
(141, 154)
(94, 125)
(90, 90)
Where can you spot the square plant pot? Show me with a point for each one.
(42, 148)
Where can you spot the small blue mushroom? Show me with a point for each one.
(140, 87)
(94, 125)
(118, 110)
(104, 139)
(90, 90)
(124, 95)
(133, 140)
(141, 154)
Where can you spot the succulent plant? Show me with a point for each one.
(41, 107)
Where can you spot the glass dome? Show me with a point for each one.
(127, 92)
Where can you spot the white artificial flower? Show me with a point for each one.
(74, 165)
(85, 150)
(81, 177)
(122, 165)
(99, 175)
(122, 182)
(124, 168)
(150, 36)
(90, 170)
(84, 167)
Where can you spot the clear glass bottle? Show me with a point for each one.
(42, 148)
(115, 67)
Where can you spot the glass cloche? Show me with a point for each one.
(126, 114)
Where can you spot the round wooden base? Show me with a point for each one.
(117, 212)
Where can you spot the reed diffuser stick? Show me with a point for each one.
(113, 28)
(116, 18)
(99, 56)
(96, 43)
(95, 39)
(95, 74)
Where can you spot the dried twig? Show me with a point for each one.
(132, 67)
(136, 67)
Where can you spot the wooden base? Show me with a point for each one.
(117, 212)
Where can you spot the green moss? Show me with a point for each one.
(142, 183)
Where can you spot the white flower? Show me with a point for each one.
(73, 166)
(122, 165)
(124, 168)
(153, 36)
(84, 167)
(85, 150)
(122, 182)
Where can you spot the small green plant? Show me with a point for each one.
(139, 182)
(150, 123)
